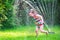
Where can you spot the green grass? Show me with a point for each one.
(28, 33)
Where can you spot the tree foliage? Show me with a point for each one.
(6, 13)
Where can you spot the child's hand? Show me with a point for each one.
(36, 23)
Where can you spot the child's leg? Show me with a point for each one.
(36, 31)
(41, 29)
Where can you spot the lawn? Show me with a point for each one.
(28, 33)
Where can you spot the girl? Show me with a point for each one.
(39, 21)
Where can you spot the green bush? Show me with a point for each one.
(6, 13)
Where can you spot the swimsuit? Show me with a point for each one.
(38, 21)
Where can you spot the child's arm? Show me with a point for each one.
(42, 18)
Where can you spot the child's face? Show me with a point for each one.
(31, 14)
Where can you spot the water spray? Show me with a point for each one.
(40, 12)
(28, 4)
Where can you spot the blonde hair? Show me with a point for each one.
(33, 11)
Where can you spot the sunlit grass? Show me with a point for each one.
(28, 33)
(16, 34)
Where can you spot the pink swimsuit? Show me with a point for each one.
(39, 22)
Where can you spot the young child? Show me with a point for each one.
(39, 21)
